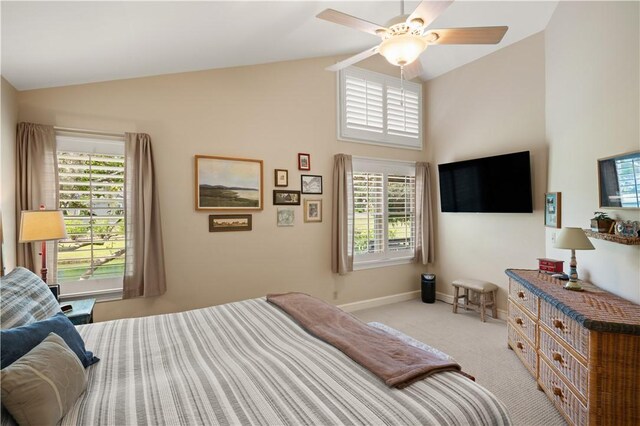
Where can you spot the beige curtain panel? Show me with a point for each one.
(144, 274)
(342, 215)
(36, 184)
(425, 251)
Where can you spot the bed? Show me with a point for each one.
(249, 363)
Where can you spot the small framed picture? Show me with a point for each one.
(286, 217)
(304, 161)
(311, 184)
(286, 198)
(281, 177)
(229, 222)
(313, 210)
(552, 209)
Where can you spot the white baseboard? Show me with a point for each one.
(448, 298)
(379, 301)
(402, 297)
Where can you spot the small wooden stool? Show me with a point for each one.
(484, 288)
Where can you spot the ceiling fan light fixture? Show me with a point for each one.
(401, 50)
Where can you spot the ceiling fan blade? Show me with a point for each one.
(350, 21)
(477, 35)
(413, 70)
(354, 59)
(428, 11)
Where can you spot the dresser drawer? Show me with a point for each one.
(565, 328)
(523, 349)
(523, 297)
(573, 370)
(522, 322)
(565, 400)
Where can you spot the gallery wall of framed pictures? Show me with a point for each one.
(231, 184)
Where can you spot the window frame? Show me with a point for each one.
(103, 289)
(383, 138)
(385, 258)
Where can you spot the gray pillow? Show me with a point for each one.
(41, 387)
(25, 299)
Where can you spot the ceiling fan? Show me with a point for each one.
(405, 37)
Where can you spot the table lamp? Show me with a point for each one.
(573, 239)
(42, 225)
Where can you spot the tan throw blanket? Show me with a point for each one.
(395, 362)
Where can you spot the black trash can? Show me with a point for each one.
(428, 288)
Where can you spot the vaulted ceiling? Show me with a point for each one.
(48, 44)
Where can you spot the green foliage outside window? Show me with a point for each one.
(91, 199)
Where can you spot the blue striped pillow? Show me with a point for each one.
(25, 299)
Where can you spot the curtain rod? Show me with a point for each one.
(89, 132)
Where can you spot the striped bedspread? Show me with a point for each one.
(249, 363)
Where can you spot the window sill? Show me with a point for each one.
(386, 144)
(100, 296)
(381, 263)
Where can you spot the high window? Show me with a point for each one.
(91, 197)
(384, 212)
(379, 109)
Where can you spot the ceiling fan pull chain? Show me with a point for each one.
(402, 85)
(401, 7)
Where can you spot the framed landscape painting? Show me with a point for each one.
(229, 222)
(224, 183)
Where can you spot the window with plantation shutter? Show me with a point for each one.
(379, 109)
(384, 212)
(91, 198)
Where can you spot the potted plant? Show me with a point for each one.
(601, 222)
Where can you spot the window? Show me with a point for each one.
(91, 197)
(628, 171)
(384, 212)
(379, 109)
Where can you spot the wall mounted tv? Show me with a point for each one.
(499, 184)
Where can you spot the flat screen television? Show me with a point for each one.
(499, 184)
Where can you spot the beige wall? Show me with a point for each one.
(268, 112)
(593, 111)
(492, 106)
(7, 172)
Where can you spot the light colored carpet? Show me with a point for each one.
(480, 348)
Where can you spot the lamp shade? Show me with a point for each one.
(402, 49)
(41, 225)
(574, 239)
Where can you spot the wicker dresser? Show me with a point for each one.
(583, 348)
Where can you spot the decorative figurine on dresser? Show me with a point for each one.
(582, 348)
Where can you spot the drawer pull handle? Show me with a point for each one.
(558, 392)
(558, 324)
(519, 345)
(558, 357)
(521, 294)
(519, 321)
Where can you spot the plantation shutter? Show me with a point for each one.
(403, 112)
(628, 171)
(368, 206)
(91, 193)
(364, 104)
(401, 209)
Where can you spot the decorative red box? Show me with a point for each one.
(550, 265)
